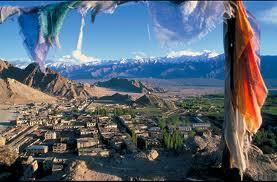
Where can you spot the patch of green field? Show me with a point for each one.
(219, 95)
(149, 110)
(270, 110)
(270, 106)
(203, 105)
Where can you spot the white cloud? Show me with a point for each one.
(139, 55)
(269, 15)
(77, 54)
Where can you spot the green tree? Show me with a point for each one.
(174, 141)
(162, 123)
(134, 137)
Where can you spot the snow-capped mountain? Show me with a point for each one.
(173, 65)
(173, 56)
(68, 61)
(176, 64)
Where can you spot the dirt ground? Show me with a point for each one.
(167, 166)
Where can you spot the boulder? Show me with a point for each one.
(203, 143)
(152, 155)
(262, 167)
(207, 152)
(79, 171)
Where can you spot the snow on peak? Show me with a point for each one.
(213, 54)
(174, 54)
(79, 59)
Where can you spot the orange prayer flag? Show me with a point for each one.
(250, 90)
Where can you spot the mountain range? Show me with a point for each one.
(170, 66)
(205, 65)
(58, 79)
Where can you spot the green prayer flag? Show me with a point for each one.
(51, 19)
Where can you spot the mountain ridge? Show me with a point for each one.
(161, 67)
(14, 92)
(50, 82)
(125, 85)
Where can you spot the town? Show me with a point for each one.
(46, 136)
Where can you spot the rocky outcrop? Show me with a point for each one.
(123, 84)
(14, 92)
(50, 82)
(154, 101)
(117, 98)
(208, 155)
(78, 171)
(263, 167)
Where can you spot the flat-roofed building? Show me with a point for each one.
(201, 126)
(57, 167)
(91, 124)
(37, 149)
(184, 128)
(86, 131)
(111, 125)
(59, 147)
(50, 135)
(87, 142)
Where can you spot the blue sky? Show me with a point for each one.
(124, 34)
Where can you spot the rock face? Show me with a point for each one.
(263, 167)
(208, 154)
(14, 92)
(117, 98)
(123, 84)
(50, 82)
(152, 155)
(78, 171)
(154, 100)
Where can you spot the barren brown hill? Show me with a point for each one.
(154, 100)
(50, 82)
(125, 85)
(14, 92)
(116, 98)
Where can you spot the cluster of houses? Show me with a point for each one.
(145, 129)
(112, 136)
(46, 134)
